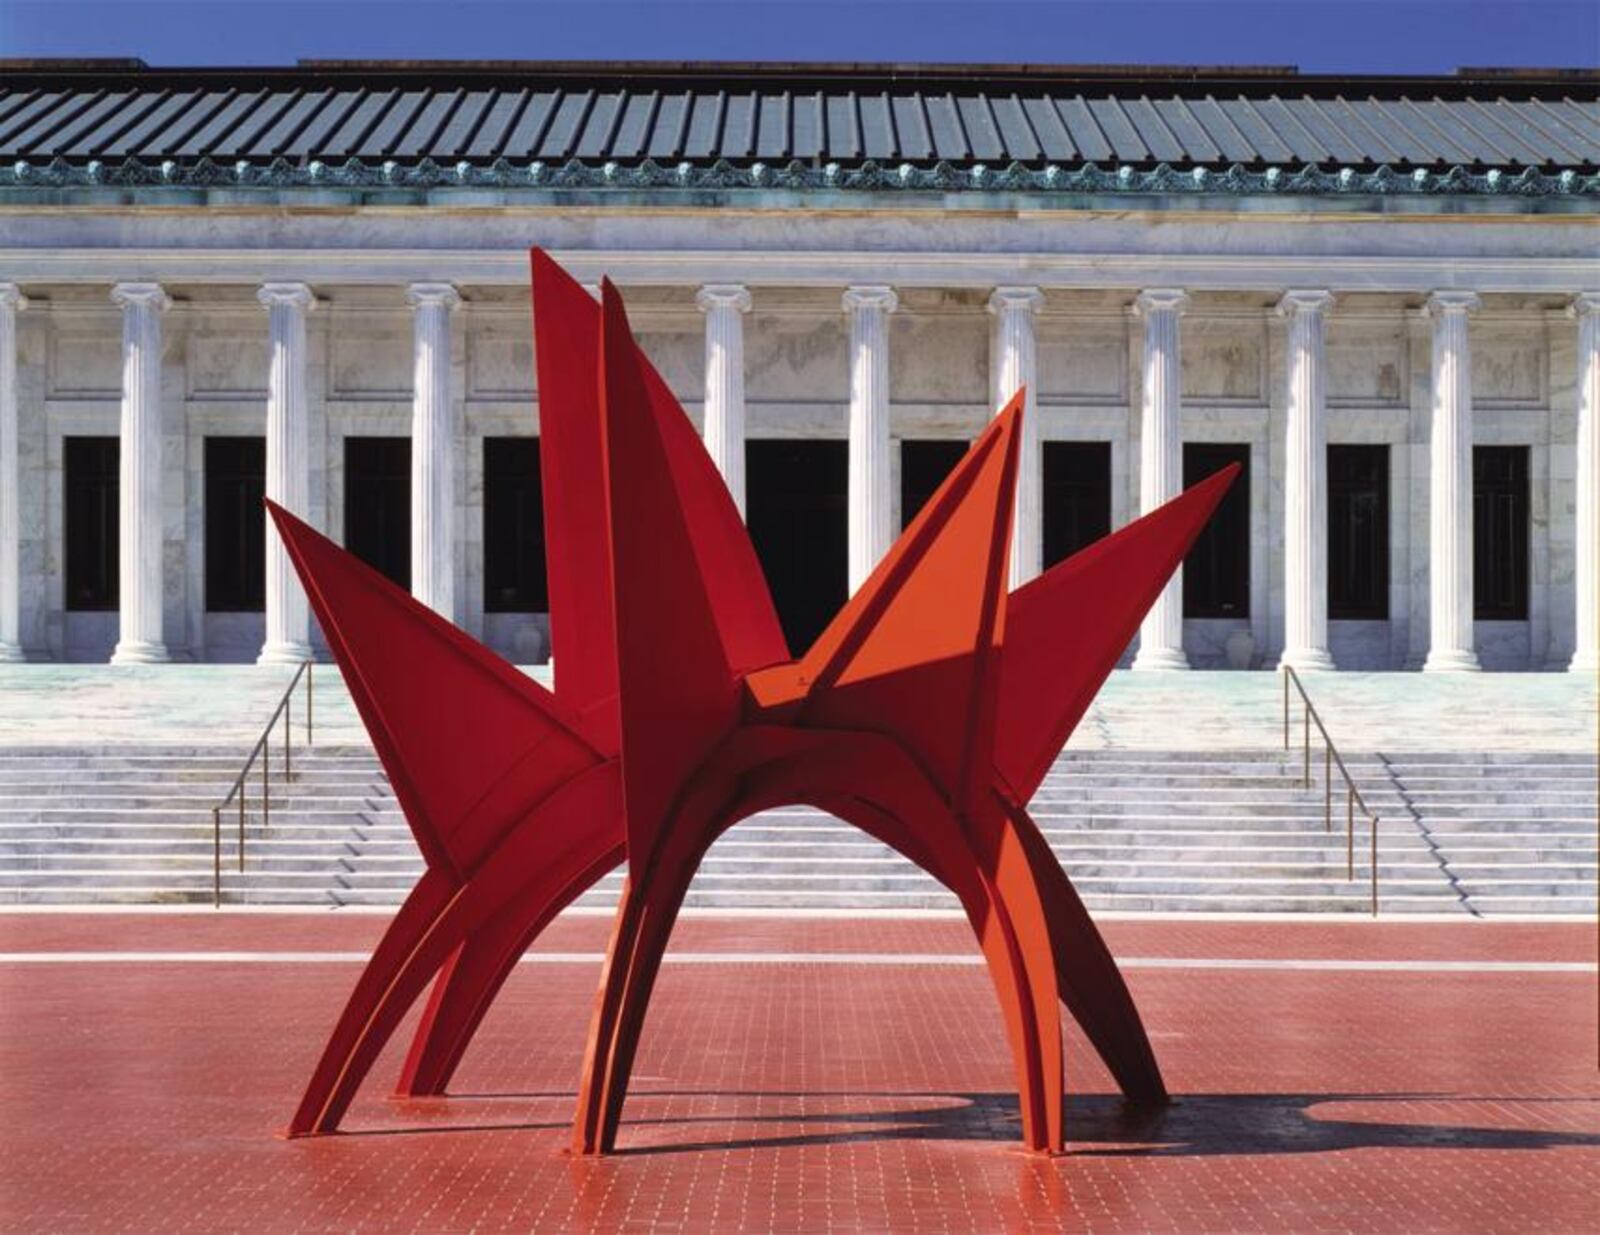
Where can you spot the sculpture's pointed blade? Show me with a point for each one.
(1066, 629)
(679, 694)
(735, 583)
(915, 651)
(566, 334)
(467, 740)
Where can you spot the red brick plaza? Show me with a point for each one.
(810, 1075)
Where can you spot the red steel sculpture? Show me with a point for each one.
(926, 714)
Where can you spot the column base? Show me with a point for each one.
(284, 654)
(140, 652)
(1451, 660)
(1307, 660)
(1586, 660)
(1160, 660)
(11, 654)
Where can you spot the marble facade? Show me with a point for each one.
(883, 323)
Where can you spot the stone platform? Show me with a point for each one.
(97, 705)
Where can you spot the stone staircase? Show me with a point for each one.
(1149, 830)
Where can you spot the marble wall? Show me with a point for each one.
(1089, 352)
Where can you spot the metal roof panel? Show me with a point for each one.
(1084, 129)
(1126, 143)
(312, 131)
(911, 123)
(528, 133)
(878, 137)
(983, 134)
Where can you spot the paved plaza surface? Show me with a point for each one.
(808, 1074)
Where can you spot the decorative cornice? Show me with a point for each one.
(11, 297)
(1584, 304)
(869, 176)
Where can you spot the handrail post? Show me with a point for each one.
(288, 730)
(1327, 784)
(309, 666)
(266, 787)
(216, 857)
(1350, 833)
(1286, 707)
(241, 827)
(1374, 865)
(1305, 779)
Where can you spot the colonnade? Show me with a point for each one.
(868, 309)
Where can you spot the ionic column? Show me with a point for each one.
(870, 534)
(1305, 486)
(433, 507)
(1161, 464)
(1015, 368)
(725, 305)
(139, 560)
(288, 638)
(1450, 488)
(1586, 579)
(11, 300)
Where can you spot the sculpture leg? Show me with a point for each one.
(1009, 936)
(426, 941)
(416, 916)
(1091, 984)
(468, 984)
(631, 967)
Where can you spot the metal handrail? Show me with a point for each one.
(1330, 758)
(263, 749)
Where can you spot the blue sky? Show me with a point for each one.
(1339, 36)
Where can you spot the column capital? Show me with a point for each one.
(1583, 304)
(1154, 299)
(296, 295)
(419, 295)
(151, 295)
(871, 296)
(723, 296)
(1443, 304)
(1014, 299)
(1304, 300)
(11, 296)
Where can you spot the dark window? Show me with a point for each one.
(236, 526)
(1076, 497)
(1216, 574)
(1358, 532)
(377, 503)
(796, 515)
(92, 521)
(1500, 533)
(923, 466)
(513, 527)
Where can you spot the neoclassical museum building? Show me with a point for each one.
(1379, 295)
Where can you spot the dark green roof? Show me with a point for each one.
(652, 126)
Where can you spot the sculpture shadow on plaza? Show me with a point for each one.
(1106, 1125)
(1098, 1125)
